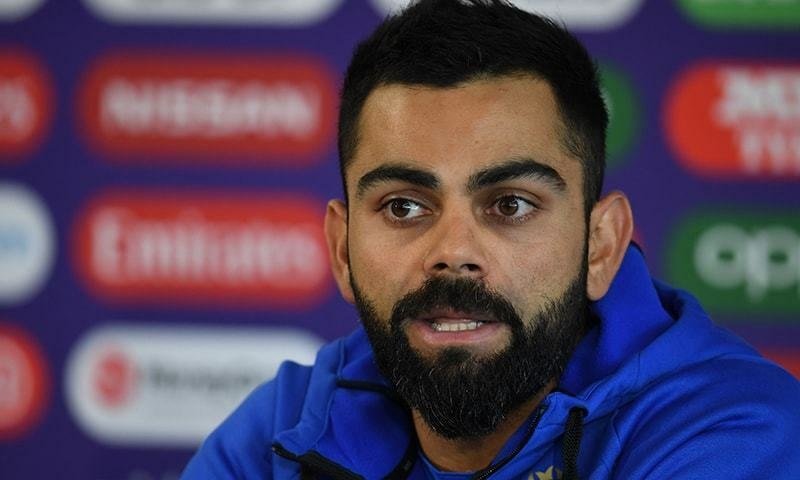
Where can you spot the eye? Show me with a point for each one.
(400, 209)
(512, 207)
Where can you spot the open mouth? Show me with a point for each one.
(457, 326)
(455, 321)
(442, 328)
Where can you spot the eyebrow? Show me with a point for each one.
(396, 172)
(515, 169)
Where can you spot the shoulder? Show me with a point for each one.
(240, 446)
(727, 416)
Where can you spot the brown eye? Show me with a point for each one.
(508, 206)
(401, 208)
(512, 209)
(403, 211)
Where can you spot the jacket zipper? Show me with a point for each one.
(491, 469)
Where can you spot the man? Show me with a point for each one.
(509, 330)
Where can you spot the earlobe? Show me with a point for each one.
(610, 231)
(336, 236)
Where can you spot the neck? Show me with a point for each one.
(469, 455)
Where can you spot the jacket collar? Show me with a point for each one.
(625, 326)
(634, 329)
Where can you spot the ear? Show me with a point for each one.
(610, 231)
(336, 235)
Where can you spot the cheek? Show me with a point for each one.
(540, 271)
(369, 254)
(379, 271)
(387, 253)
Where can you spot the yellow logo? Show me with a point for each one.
(551, 473)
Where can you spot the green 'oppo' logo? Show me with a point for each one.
(744, 13)
(739, 263)
(623, 111)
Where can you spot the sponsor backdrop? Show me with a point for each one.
(164, 168)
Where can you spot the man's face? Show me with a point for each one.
(466, 193)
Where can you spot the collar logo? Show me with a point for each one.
(551, 473)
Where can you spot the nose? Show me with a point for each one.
(455, 248)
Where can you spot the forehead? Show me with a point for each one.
(462, 128)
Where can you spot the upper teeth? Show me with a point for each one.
(455, 327)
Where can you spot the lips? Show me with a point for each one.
(455, 326)
(453, 321)
(443, 328)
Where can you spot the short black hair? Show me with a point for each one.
(444, 43)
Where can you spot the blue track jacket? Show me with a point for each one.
(665, 395)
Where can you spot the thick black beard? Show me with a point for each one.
(461, 394)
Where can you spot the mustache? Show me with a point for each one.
(459, 294)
